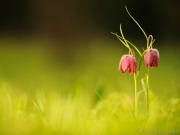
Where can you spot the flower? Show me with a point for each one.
(127, 62)
(151, 58)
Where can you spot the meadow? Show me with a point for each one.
(80, 92)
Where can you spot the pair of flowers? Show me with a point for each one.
(128, 61)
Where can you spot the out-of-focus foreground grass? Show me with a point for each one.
(43, 91)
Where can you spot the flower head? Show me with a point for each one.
(151, 58)
(127, 62)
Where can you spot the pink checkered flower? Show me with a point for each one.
(151, 58)
(127, 62)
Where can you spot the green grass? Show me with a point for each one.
(82, 93)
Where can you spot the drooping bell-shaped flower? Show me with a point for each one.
(151, 58)
(127, 62)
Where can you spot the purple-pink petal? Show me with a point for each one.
(127, 62)
(151, 58)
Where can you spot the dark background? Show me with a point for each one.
(72, 20)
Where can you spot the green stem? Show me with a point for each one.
(136, 23)
(121, 39)
(135, 93)
(130, 51)
(147, 91)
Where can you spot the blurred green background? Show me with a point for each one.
(59, 65)
(52, 39)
